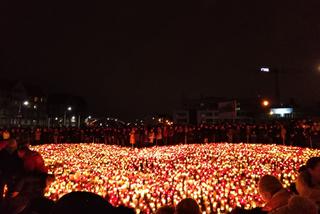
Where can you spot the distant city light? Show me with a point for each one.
(35, 107)
(56, 118)
(26, 103)
(266, 70)
(69, 108)
(89, 117)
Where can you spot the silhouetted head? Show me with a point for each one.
(188, 206)
(23, 151)
(12, 145)
(268, 186)
(313, 167)
(82, 203)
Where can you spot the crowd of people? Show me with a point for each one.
(295, 133)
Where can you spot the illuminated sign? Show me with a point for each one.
(281, 111)
(266, 70)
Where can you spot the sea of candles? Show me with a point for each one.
(219, 176)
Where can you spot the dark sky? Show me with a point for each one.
(130, 58)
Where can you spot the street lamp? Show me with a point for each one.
(65, 115)
(24, 103)
(265, 103)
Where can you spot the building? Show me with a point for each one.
(181, 117)
(22, 104)
(207, 116)
(198, 110)
(215, 109)
(66, 110)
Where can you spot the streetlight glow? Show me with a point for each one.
(69, 108)
(26, 103)
(265, 103)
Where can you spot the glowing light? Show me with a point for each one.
(69, 108)
(281, 111)
(26, 103)
(221, 176)
(265, 103)
(265, 70)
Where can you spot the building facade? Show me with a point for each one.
(214, 109)
(22, 105)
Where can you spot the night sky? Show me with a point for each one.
(132, 58)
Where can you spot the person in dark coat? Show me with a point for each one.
(11, 166)
(32, 161)
(29, 188)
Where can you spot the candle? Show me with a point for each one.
(219, 176)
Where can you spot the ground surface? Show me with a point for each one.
(218, 176)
